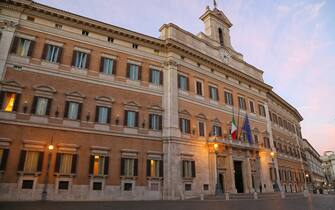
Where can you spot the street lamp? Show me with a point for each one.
(45, 193)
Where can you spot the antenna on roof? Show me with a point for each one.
(215, 4)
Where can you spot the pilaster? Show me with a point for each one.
(231, 172)
(7, 35)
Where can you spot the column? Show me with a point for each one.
(230, 172)
(7, 35)
(248, 173)
(269, 130)
(171, 133)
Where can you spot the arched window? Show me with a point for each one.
(221, 37)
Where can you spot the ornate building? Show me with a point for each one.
(328, 167)
(93, 111)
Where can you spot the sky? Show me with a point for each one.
(292, 41)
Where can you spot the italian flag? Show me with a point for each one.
(233, 131)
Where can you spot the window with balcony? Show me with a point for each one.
(217, 131)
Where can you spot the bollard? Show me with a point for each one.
(227, 196)
(282, 193)
(255, 196)
(202, 196)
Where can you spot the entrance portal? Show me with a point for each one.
(221, 180)
(238, 176)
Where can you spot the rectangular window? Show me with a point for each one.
(184, 125)
(110, 39)
(261, 110)
(156, 77)
(65, 163)
(198, 85)
(128, 167)
(42, 104)
(73, 110)
(241, 103)
(213, 93)
(51, 53)
(131, 119)
(133, 72)
(107, 66)
(85, 33)
(183, 82)
(63, 185)
(128, 186)
(274, 117)
(228, 98)
(252, 108)
(280, 122)
(100, 165)
(155, 122)
(154, 187)
(103, 114)
(217, 130)
(188, 187)
(3, 158)
(97, 186)
(27, 184)
(188, 168)
(155, 168)
(201, 128)
(22, 47)
(9, 101)
(31, 164)
(81, 60)
(256, 139)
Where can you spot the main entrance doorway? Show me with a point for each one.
(221, 180)
(238, 176)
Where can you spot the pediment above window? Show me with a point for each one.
(201, 117)
(11, 86)
(104, 101)
(132, 105)
(44, 90)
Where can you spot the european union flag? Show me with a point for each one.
(246, 129)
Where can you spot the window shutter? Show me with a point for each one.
(210, 92)
(160, 122)
(74, 164)
(122, 167)
(220, 131)
(74, 56)
(66, 110)
(33, 106)
(57, 165)
(148, 167)
(48, 107)
(109, 112)
(22, 160)
(139, 72)
(114, 67)
(187, 84)
(106, 166)
(40, 161)
(45, 51)
(217, 94)
(150, 121)
(188, 130)
(135, 167)
(16, 102)
(193, 168)
(150, 75)
(14, 45)
(102, 61)
(180, 123)
(2, 96)
(183, 168)
(4, 159)
(91, 165)
(60, 53)
(96, 113)
(79, 111)
(128, 70)
(136, 119)
(178, 81)
(161, 79)
(125, 117)
(88, 59)
(161, 168)
(31, 48)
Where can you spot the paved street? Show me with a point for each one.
(322, 202)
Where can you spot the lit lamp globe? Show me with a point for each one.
(216, 146)
(51, 147)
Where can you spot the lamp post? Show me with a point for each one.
(45, 193)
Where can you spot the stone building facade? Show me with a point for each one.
(91, 111)
(328, 167)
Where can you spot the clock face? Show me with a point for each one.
(224, 55)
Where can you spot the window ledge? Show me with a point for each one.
(154, 178)
(7, 115)
(104, 127)
(214, 102)
(186, 135)
(79, 71)
(155, 86)
(133, 82)
(107, 76)
(19, 59)
(71, 123)
(64, 175)
(199, 97)
(22, 173)
(39, 119)
(188, 179)
(50, 64)
(155, 132)
(184, 92)
(130, 130)
(128, 177)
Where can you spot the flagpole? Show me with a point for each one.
(238, 123)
